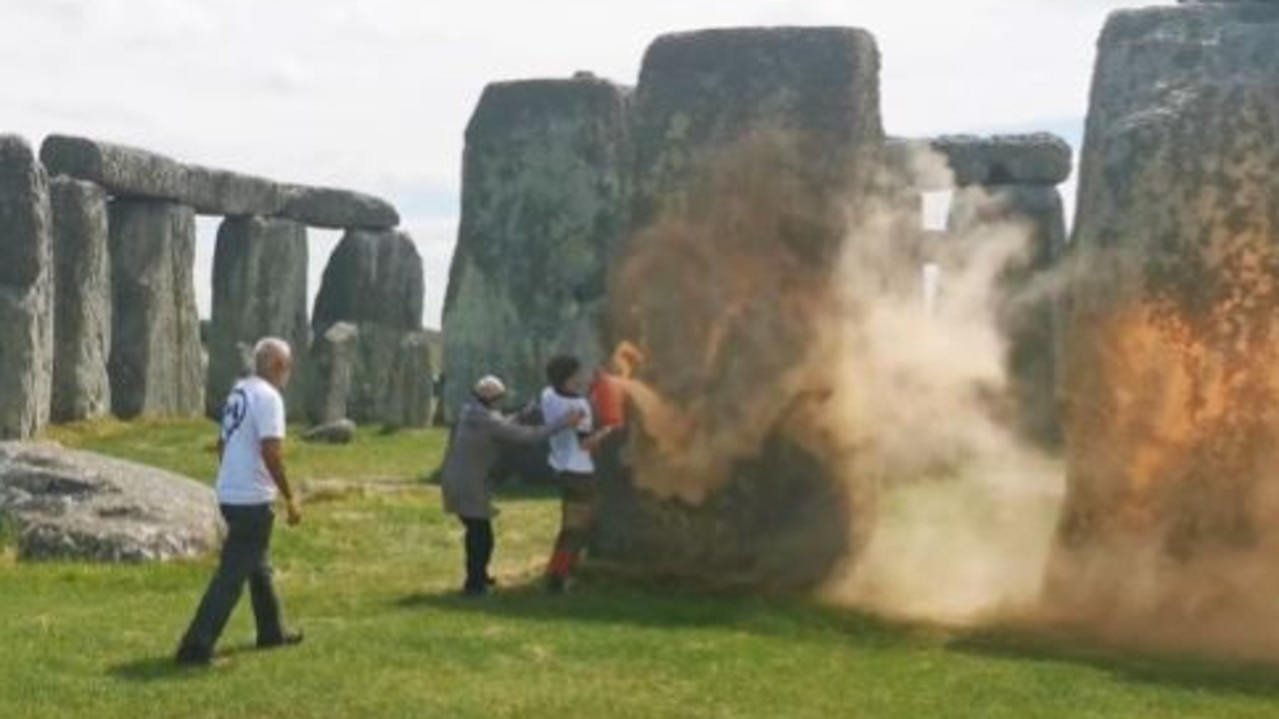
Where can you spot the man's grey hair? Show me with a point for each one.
(267, 352)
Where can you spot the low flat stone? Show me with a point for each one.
(339, 432)
(337, 209)
(67, 504)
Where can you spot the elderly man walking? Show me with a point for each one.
(480, 435)
(250, 475)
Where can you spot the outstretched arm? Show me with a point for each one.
(511, 432)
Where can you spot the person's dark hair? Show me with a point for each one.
(561, 369)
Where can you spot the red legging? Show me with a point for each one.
(576, 519)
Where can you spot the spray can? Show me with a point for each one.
(609, 398)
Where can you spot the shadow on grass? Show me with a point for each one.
(1185, 672)
(608, 600)
(165, 669)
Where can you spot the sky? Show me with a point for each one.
(374, 94)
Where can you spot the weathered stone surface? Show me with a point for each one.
(259, 290)
(1027, 309)
(702, 92)
(26, 291)
(371, 277)
(1172, 333)
(1148, 56)
(129, 172)
(329, 373)
(1036, 159)
(340, 432)
(212, 191)
(76, 505)
(544, 205)
(81, 388)
(124, 171)
(338, 209)
(749, 144)
(408, 397)
(155, 365)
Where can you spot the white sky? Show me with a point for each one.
(374, 94)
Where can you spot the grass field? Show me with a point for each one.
(371, 578)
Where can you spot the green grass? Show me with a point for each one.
(190, 448)
(371, 579)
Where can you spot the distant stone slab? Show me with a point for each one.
(131, 172)
(221, 192)
(1034, 159)
(67, 504)
(26, 291)
(124, 171)
(329, 373)
(337, 209)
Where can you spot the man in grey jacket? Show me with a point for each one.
(476, 444)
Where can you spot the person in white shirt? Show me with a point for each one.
(571, 459)
(250, 476)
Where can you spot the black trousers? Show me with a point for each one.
(245, 558)
(479, 550)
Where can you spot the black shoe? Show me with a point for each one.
(288, 640)
(189, 656)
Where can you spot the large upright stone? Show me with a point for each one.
(155, 365)
(1026, 305)
(754, 149)
(1172, 326)
(259, 290)
(374, 282)
(26, 291)
(544, 205)
(81, 388)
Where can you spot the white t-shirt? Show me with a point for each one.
(254, 412)
(567, 454)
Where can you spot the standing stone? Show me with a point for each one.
(373, 277)
(544, 205)
(409, 390)
(373, 281)
(330, 366)
(81, 388)
(259, 290)
(749, 144)
(26, 291)
(1172, 325)
(1026, 311)
(155, 365)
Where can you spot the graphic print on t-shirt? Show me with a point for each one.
(237, 408)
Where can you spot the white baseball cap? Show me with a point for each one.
(489, 388)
